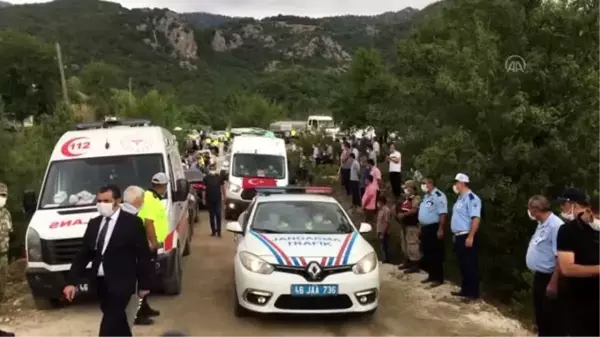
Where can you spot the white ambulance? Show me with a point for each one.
(116, 152)
(256, 161)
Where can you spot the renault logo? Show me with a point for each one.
(314, 270)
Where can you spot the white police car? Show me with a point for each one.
(298, 252)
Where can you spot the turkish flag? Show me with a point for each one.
(248, 182)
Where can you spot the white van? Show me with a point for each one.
(99, 153)
(256, 161)
(322, 123)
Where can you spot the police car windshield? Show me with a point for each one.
(300, 217)
(74, 183)
(258, 165)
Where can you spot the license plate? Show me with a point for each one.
(314, 289)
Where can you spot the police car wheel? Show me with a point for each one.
(43, 303)
(238, 310)
(370, 313)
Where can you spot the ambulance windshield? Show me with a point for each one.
(74, 183)
(258, 165)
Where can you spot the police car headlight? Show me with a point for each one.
(234, 188)
(255, 264)
(365, 265)
(34, 246)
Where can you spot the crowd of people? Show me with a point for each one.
(563, 253)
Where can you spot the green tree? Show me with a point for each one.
(29, 81)
(252, 110)
(367, 95)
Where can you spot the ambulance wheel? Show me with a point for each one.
(173, 286)
(43, 303)
(186, 249)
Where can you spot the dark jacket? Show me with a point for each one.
(126, 259)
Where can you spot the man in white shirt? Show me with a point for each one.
(395, 171)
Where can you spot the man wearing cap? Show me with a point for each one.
(5, 230)
(578, 259)
(541, 260)
(156, 222)
(433, 215)
(466, 217)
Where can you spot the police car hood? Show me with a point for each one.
(299, 249)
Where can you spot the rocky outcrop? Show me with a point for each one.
(309, 42)
(324, 46)
(221, 44)
(171, 31)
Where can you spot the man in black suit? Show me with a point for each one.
(115, 242)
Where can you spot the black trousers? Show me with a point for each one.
(355, 190)
(113, 304)
(546, 309)
(433, 252)
(396, 182)
(468, 262)
(582, 313)
(345, 175)
(214, 215)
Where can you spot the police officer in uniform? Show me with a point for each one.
(5, 230)
(466, 217)
(433, 215)
(541, 260)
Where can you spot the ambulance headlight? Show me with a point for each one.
(365, 265)
(234, 188)
(34, 246)
(255, 264)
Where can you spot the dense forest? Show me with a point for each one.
(439, 77)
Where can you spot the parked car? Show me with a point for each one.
(196, 180)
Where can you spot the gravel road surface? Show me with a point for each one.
(206, 307)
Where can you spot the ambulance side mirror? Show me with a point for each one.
(29, 202)
(365, 228)
(183, 189)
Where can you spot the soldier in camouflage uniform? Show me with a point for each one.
(5, 230)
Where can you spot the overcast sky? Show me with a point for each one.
(262, 8)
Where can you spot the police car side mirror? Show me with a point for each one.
(365, 228)
(235, 227)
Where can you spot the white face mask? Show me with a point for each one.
(595, 224)
(569, 216)
(105, 209)
(455, 189)
(530, 216)
(424, 188)
(2, 201)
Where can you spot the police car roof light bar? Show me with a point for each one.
(294, 190)
(112, 123)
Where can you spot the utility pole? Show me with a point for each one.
(130, 94)
(61, 69)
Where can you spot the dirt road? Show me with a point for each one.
(206, 307)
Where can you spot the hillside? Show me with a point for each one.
(195, 53)
(4, 4)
